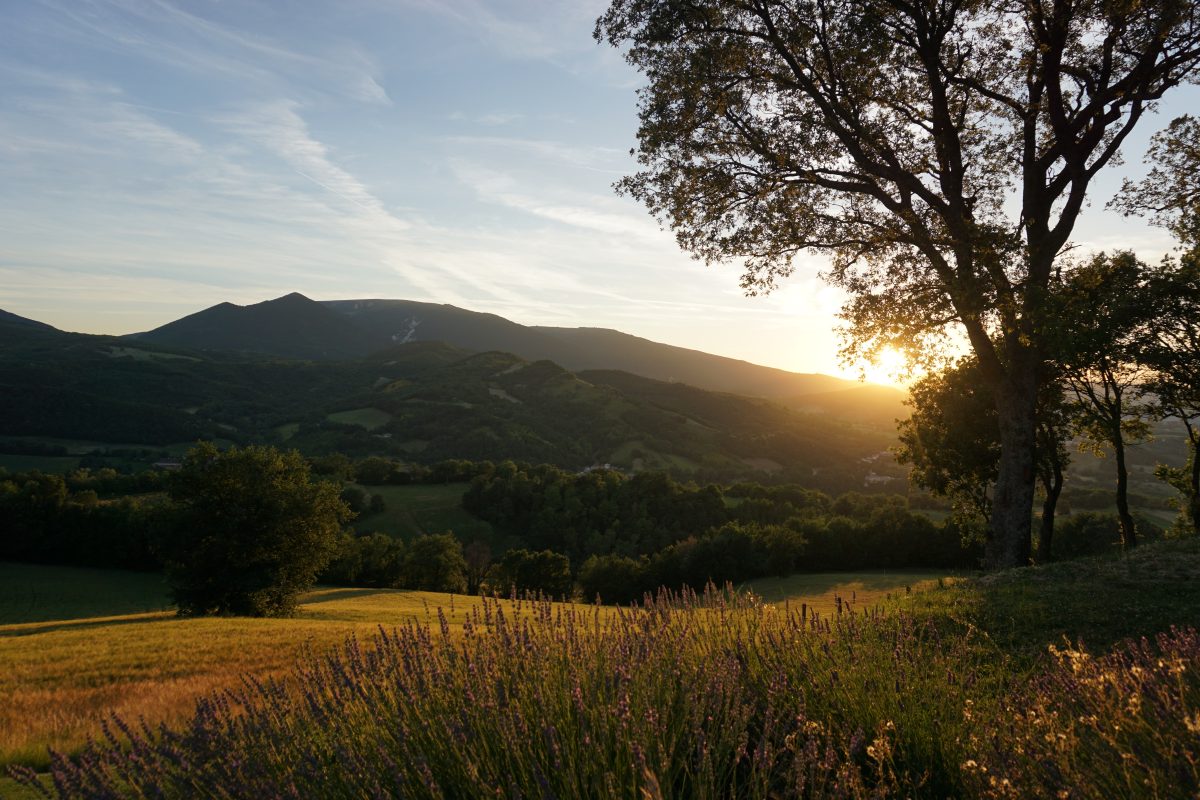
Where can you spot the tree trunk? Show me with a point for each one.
(1012, 503)
(1049, 507)
(1128, 533)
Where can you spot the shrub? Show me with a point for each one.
(372, 560)
(541, 572)
(613, 578)
(435, 563)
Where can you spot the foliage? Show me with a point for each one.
(435, 563)
(1105, 306)
(252, 531)
(371, 560)
(613, 579)
(952, 438)
(523, 572)
(52, 519)
(894, 137)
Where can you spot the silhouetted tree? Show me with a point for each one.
(252, 530)
(1172, 347)
(940, 152)
(1104, 308)
(435, 563)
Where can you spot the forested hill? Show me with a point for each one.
(417, 401)
(294, 326)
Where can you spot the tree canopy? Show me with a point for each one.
(894, 137)
(252, 530)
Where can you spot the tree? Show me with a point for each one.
(478, 558)
(1104, 308)
(613, 579)
(252, 530)
(434, 563)
(1172, 347)
(891, 136)
(952, 440)
(542, 572)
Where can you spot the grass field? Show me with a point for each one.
(20, 463)
(369, 418)
(859, 591)
(61, 677)
(35, 593)
(63, 669)
(414, 510)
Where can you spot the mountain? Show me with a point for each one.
(10, 320)
(291, 326)
(603, 348)
(419, 401)
(296, 327)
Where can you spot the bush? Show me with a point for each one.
(251, 531)
(523, 571)
(355, 499)
(435, 563)
(372, 560)
(613, 578)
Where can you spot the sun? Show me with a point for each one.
(889, 368)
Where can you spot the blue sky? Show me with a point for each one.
(159, 157)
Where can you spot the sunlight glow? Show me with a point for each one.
(889, 368)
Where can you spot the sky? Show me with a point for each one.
(159, 157)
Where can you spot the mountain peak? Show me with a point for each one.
(292, 298)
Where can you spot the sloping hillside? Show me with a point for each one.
(296, 327)
(291, 326)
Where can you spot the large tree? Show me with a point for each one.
(939, 151)
(952, 441)
(1104, 310)
(252, 531)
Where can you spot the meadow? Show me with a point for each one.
(922, 685)
(422, 508)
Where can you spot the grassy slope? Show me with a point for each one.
(1098, 601)
(858, 591)
(61, 678)
(33, 593)
(64, 676)
(412, 510)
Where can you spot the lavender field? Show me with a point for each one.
(713, 696)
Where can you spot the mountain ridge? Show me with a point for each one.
(295, 326)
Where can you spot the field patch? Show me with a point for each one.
(20, 463)
(369, 418)
(859, 591)
(287, 430)
(32, 593)
(61, 678)
(137, 354)
(423, 508)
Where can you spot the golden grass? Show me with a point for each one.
(861, 590)
(61, 679)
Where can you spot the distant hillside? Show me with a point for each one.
(869, 404)
(7, 319)
(418, 401)
(297, 327)
(16, 332)
(602, 348)
(291, 326)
